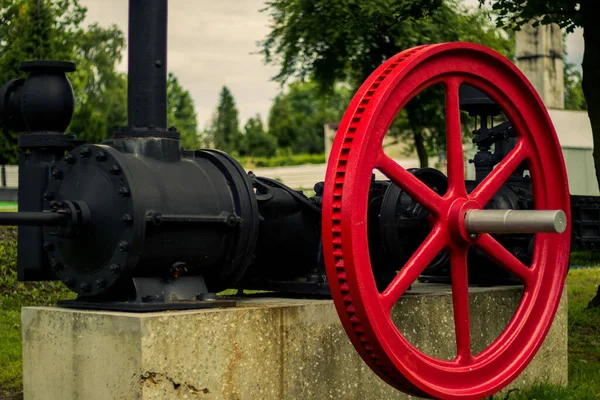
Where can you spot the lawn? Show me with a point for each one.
(584, 337)
(584, 344)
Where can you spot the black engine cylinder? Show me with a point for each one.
(152, 212)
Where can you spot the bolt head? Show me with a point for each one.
(101, 156)
(127, 218)
(124, 246)
(57, 174)
(85, 287)
(473, 236)
(48, 246)
(48, 196)
(70, 282)
(85, 152)
(115, 268)
(69, 159)
(232, 220)
(101, 283)
(56, 266)
(124, 192)
(115, 170)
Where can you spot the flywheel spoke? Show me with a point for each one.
(504, 258)
(454, 149)
(416, 189)
(421, 258)
(460, 303)
(484, 192)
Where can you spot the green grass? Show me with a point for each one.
(584, 345)
(10, 351)
(8, 206)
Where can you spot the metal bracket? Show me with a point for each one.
(157, 294)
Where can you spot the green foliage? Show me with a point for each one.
(574, 98)
(28, 31)
(282, 160)
(100, 91)
(14, 293)
(298, 116)
(13, 296)
(11, 378)
(182, 114)
(339, 41)
(224, 133)
(256, 142)
(587, 258)
(568, 14)
(513, 14)
(45, 29)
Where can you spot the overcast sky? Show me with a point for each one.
(213, 43)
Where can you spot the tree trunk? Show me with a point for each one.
(591, 87)
(421, 150)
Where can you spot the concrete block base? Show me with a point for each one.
(262, 349)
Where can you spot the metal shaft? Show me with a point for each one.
(32, 218)
(513, 221)
(147, 82)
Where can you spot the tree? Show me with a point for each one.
(297, 117)
(225, 133)
(182, 114)
(100, 91)
(333, 41)
(574, 98)
(256, 142)
(44, 29)
(26, 33)
(568, 14)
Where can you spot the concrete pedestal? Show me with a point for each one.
(262, 349)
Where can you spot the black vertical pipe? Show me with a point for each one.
(147, 82)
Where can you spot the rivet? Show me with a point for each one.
(124, 246)
(128, 219)
(473, 236)
(101, 283)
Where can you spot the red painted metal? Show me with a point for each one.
(357, 150)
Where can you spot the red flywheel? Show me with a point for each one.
(357, 150)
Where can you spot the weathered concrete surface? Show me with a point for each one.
(263, 349)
